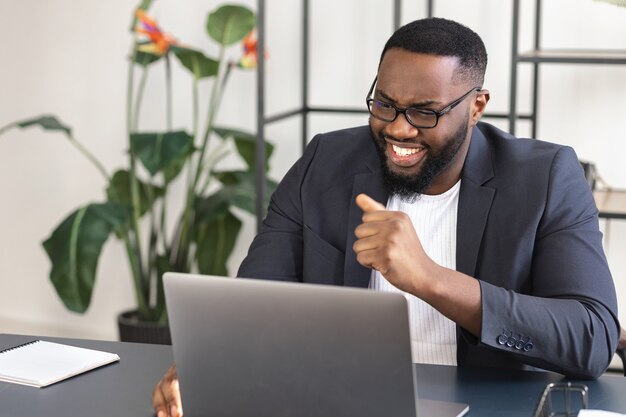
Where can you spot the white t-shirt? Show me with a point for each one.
(434, 217)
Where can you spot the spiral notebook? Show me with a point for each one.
(40, 363)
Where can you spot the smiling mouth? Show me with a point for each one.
(405, 151)
(405, 156)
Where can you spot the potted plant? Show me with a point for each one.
(135, 203)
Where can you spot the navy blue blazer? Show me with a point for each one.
(527, 229)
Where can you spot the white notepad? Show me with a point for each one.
(40, 363)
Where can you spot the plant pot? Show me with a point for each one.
(132, 329)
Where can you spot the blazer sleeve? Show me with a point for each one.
(277, 250)
(568, 322)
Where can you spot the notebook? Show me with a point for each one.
(40, 363)
(260, 348)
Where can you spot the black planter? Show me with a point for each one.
(134, 330)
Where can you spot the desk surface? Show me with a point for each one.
(124, 388)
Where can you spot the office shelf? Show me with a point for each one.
(304, 109)
(539, 55)
(574, 56)
(536, 57)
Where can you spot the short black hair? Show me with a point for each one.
(444, 37)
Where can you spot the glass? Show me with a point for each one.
(416, 116)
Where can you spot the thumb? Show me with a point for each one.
(368, 204)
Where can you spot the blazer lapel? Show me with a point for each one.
(370, 183)
(474, 203)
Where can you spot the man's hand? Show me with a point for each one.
(387, 242)
(166, 395)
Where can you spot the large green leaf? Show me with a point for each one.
(158, 151)
(238, 191)
(174, 168)
(215, 241)
(246, 145)
(200, 65)
(119, 192)
(207, 209)
(47, 122)
(74, 248)
(230, 24)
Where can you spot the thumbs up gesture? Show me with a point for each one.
(386, 241)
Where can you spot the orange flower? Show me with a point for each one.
(250, 54)
(159, 42)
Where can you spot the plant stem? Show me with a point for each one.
(177, 241)
(163, 222)
(135, 270)
(196, 107)
(169, 126)
(139, 98)
(208, 168)
(184, 239)
(218, 154)
(90, 157)
(212, 112)
(168, 92)
(134, 252)
(152, 243)
(135, 267)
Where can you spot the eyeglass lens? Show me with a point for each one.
(416, 117)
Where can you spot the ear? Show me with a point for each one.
(478, 106)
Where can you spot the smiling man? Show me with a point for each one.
(494, 240)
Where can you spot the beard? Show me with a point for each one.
(409, 188)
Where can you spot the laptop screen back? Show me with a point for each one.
(269, 349)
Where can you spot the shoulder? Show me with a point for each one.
(525, 157)
(342, 140)
(330, 161)
(342, 152)
(534, 170)
(507, 145)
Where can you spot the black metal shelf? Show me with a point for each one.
(304, 109)
(535, 57)
(539, 55)
(574, 56)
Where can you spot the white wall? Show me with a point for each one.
(67, 57)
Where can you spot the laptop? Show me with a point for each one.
(257, 348)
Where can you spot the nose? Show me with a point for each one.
(400, 128)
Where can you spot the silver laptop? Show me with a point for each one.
(260, 348)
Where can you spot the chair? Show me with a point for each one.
(621, 348)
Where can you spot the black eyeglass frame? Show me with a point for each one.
(402, 110)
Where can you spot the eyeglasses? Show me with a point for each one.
(416, 116)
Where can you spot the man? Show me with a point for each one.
(496, 239)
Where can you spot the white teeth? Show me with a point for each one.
(405, 151)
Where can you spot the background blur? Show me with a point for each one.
(68, 57)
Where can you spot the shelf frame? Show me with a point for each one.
(535, 57)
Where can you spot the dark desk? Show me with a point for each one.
(124, 388)
(119, 389)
